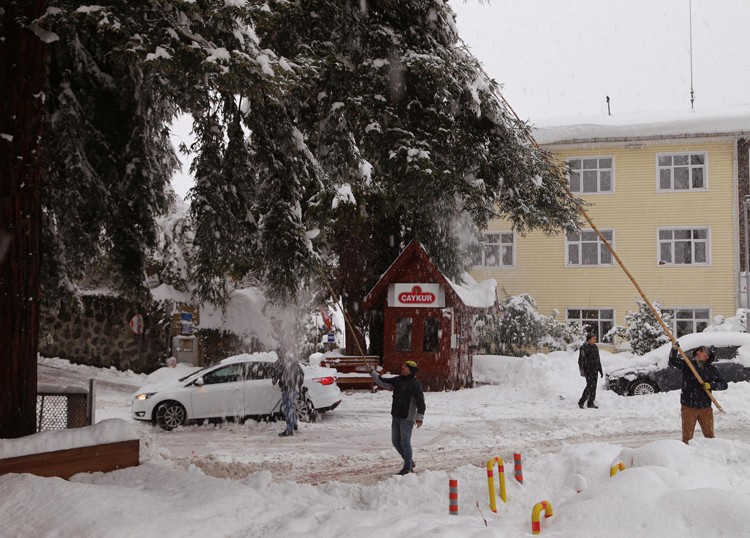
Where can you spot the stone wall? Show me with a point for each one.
(99, 334)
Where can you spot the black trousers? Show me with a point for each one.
(589, 393)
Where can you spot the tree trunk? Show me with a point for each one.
(22, 76)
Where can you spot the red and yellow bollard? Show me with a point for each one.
(538, 507)
(491, 481)
(518, 468)
(616, 468)
(453, 497)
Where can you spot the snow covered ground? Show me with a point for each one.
(335, 478)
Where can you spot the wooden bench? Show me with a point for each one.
(354, 371)
(65, 463)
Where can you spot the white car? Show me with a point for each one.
(237, 387)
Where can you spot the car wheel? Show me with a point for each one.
(640, 387)
(305, 409)
(169, 415)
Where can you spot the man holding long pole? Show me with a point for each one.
(694, 399)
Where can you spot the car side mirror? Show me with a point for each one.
(198, 382)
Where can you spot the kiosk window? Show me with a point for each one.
(403, 334)
(430, 335)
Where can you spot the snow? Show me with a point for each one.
(476, 295)
(727, 121)
(334, 478)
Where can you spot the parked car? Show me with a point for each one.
(651, 372)
(238, 387)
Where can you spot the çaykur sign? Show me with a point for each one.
(410, 295)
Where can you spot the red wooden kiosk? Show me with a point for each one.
(428, 319)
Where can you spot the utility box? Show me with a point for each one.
(185, 349)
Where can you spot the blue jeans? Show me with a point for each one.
(288, 397)
(401, 438)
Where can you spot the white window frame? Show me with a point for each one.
(598, 169)
(690, 166)
(598, 320)
(693, 242)
(675, 310)
(602, 249)
(502, 245)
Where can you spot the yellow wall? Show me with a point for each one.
(634, 212)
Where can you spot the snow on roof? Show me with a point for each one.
(476, 295)
(243, 314)
(729, 121)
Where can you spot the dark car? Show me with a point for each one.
(651, 373)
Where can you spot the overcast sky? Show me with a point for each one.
(561, 58)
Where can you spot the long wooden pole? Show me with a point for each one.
(625, 270)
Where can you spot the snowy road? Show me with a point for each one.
(534, 413)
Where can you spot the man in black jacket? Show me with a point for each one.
(694, 400)
(407, 408)
(589, 365)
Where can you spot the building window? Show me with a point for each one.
(585, 248)
(496, 250)
(688, 320)
(403, 334)
(684, 246)
(596, 320)
(681, 171)
(589, 175)
(431, 335)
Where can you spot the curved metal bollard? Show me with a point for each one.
(538, 507)
(491, 481)
(616, 468)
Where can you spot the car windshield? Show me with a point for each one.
(197, 372)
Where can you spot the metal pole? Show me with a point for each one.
(747, 261)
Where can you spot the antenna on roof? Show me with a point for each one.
(692, 93)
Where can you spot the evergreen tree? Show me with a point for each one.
(400, 115)
(642, 329)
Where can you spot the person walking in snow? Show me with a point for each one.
(288, 374)
(589, 365)
(694, 399)
(407, 408)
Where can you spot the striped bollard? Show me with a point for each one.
(536, 527)
(518, 468)
(453, 497)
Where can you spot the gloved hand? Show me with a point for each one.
(419, 423)
(707, 386)
(675, 345)
(601, 374)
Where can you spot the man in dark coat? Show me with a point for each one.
(289, 375)
(694, 399)
(589, 365)
(407, 408)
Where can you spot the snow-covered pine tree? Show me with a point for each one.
(400, 114)
(642, 329)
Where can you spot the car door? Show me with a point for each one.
(261, 396)
(221, 393)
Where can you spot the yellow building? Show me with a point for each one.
(667, 195)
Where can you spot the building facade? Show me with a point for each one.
(668, 196)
